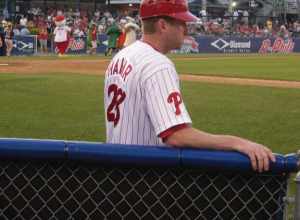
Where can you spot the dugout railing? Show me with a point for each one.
(52, 179)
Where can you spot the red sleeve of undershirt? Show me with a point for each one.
(167, 133)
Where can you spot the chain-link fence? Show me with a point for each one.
(64, 190)
(72, 189)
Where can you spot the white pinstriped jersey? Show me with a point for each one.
(141, 96)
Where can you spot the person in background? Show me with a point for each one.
(9, 34)
(16, 30)
(101, 29)
(131, 29)
(79, 31)
(284, 33)
(24, 31)
(113, 32)
(93, 34)
(269, 26)
(23, 21)
(43, 39)
(122, 36)
(2, 42)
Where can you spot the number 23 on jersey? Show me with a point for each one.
(113, 110)
(118, 97)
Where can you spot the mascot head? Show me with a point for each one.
(60, 20)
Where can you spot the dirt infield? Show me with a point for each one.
(98, 66)
(55, 66)
(241, 81)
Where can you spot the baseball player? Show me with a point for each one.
(143, 102)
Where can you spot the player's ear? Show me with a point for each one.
(161, 25)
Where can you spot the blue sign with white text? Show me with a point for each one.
(248, 45)
(208, 44)
(24, 45)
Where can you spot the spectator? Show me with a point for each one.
(245, 18)
(107, 14)
(269, 25)
(43, 39)
(23, 21)
(122, 36)
(256, 31)
(77, 13)
(235, 16)
(93, 39)
(203, 15)
(59, 13)
(265, 32)
(24, 31)
(244, 30)
(101, 29)
(9, 34)
(113, 32)
(131, 30)
(77, 21)
(5, 13)
(49, 24)
(199, 27)
(296, 29)
(289, 27)
(2, 42)
(97, 14)
(78, 31)
(216, 28)
(283, 33)
(16, 30)
(69, 13)
(84, 22)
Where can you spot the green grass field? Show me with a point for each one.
(279, 67)
(70, 106)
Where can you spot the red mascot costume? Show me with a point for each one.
(61, 38)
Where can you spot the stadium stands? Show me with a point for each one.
(81, 17)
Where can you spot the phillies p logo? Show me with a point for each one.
(175, 98)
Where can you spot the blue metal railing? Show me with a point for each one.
(134, 154)
(88, 180)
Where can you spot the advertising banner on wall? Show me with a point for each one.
(190, 45)
(24, 45)
(77, 45)
(248, 45)
(228, 45)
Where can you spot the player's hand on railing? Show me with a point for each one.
(259, 155)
